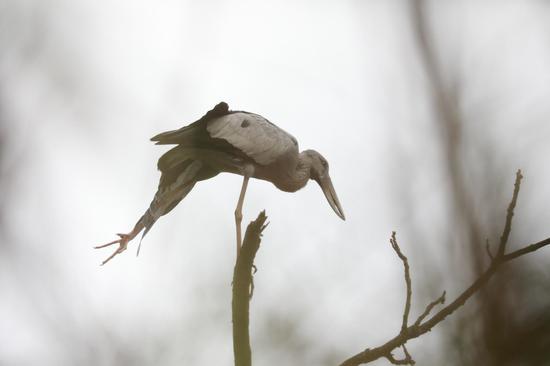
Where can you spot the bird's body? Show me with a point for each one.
(232, 141)
(235, 142)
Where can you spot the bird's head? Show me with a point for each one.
(319, 173)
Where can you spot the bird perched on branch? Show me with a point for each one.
(235, 142)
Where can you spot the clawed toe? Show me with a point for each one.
(122, 245)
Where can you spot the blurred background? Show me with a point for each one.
(425, 110)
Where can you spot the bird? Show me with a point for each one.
(237, 142)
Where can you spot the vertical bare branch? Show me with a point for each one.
(509, 215)
(242, 287)
(405, 261)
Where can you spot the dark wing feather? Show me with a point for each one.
(194, 142)
(215, 161)
(185, 133)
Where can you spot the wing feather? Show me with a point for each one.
(254, 135)
(191, 131)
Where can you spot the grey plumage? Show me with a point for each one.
(221, 141)
(235, 142)
(254, 135)
(169, 195)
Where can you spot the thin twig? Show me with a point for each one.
(405, 261)
(407, 360)
(509, 215)
(393, 360)
(525, 250)
(429, 308)
(407, 355)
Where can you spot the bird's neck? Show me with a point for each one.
(297, 174)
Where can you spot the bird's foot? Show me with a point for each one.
(122, 245)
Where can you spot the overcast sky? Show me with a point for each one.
(85, 84)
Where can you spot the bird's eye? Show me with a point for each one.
(324, 163)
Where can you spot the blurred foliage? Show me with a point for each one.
(501, 328)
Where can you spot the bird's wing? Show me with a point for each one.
(254, 135)
(189, 132)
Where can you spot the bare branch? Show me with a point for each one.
(242, 290)
(420, 326)
(408, 357)
(525, 250)
(509, 215)
(405, 361)
(405, 261)
(429, 308)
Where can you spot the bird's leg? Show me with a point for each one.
(122, 242)
(239, 213)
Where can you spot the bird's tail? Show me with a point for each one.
(168, 196)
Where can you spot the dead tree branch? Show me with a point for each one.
(422, 326)
(405, 261)
(242, 290)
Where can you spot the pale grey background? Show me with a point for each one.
(85, 84)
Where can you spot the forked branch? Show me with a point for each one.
(421, 325)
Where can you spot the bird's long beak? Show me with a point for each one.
(330, 194)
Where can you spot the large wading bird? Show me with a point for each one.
(235, 142)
